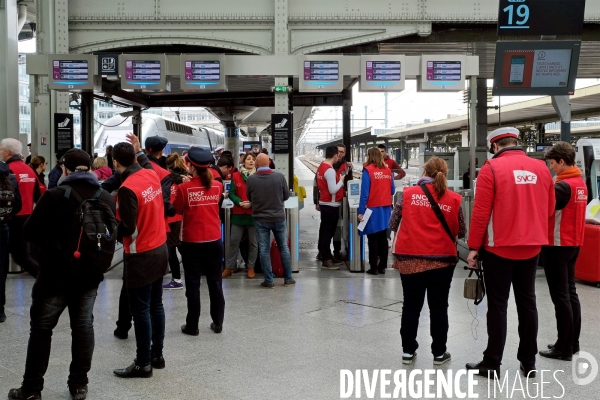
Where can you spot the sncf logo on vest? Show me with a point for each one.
(581, 195)
(524, 177)
(421, 201)
(381, 175)
(149, 194)
(197, 197)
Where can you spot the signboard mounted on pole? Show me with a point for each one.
(281, 132)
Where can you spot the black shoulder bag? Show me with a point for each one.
(474, 288)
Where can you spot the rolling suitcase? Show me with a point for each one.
(587, 267)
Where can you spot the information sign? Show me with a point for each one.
(321, 74)
(541, 17)
(382, 73)
(281, 131)
(202, 72)
(536, 68)
(442, 73)
(63, 132)
(108, 64)
(71, 72)
(144, 72)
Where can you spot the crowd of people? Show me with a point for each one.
(157, 206)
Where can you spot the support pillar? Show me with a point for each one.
(481, 111)
(474, 128)
(9, 82)
(346, 134)
(464, 138)
(562, 105)
(87, 123)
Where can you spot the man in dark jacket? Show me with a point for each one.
(8, 188)
(56, 173)
(154, 151)
(56, 288)
(145, 258)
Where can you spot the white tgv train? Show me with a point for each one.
(181, 136)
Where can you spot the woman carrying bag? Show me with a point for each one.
(377, 189)
(427, 219)
(241, 219)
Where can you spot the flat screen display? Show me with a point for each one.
(70, 72)
(443, 71)
(354, 189)
(143, 72)
(321, 71)
(202, 72)
(380, 71)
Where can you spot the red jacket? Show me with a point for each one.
(420, 233)
(29, 185)
(394, 167)
(174, 191)
(200, 210)
(240, 191)
(381, 183)
(150, 232)
(566, 226)
(514, 199)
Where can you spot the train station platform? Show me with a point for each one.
(288, 343)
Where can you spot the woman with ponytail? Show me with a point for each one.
(426, 256)
(377, 189)
(199, 201)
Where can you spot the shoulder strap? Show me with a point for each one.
(438, 212)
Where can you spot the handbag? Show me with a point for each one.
(474, 288)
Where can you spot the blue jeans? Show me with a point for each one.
(263, 230)
(45, 312)
(148, 314)
(3, 264)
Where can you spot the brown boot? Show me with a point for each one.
(227, 272)
(251, 273)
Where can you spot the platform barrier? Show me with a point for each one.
(356, 243)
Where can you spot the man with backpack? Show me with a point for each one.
(74, 256)
(10, 205)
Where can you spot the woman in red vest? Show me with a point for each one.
(565, 236)
(199, 201)
(377, 189)
(241, 219)
(426, 256)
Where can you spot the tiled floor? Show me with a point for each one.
(289, 343)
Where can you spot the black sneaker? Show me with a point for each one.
(528, 372)
(444, 358)
(268, 285)
(79, 393)
(216, 328)
(408, 359)
(2, 317)
(120, 333)
(158, 362)
(190, 331)
(381, 271)
(372, 271)
(19, 394)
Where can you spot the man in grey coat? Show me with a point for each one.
(267, 190)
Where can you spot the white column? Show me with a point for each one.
(465, 138)
(9, 74)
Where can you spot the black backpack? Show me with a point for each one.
(7, 199)
(91, 243)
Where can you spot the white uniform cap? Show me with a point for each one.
(502, 133)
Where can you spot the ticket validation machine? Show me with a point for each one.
(356, 242)
(587, 159)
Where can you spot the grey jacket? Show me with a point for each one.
(267, 190)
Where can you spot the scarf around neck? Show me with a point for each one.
(571, 172)
(247, 172)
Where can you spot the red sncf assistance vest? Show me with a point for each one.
(200, 208)
(566, 226)
(380, 194)
(240, 191)
(420, 232)
(324, 194)
(150, 226)
(174, 191)
(27, 181)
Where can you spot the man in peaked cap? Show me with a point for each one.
(519, 191)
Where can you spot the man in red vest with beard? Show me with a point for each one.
(514, 200)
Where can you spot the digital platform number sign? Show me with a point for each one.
(321, 75)
(532, 68)
(541, 17)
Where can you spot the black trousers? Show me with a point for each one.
(174, 263)
(329, 219)
(203, 258)
(124, 319)
(499, 274)
(436, 284)
(559, 265)
(18, 246)
(378, 248)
